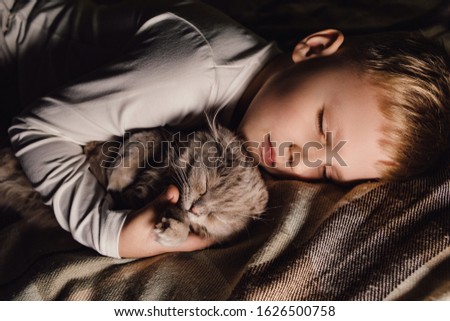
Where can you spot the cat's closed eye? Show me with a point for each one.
(203, 187)
(201, 192)
(198, 198)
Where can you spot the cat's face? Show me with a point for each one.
(222, 191)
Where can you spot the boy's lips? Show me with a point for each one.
(268, 152)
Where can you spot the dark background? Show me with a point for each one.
(287, 21)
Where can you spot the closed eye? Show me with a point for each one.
(320, 120)
(205, 187)
(198, 198)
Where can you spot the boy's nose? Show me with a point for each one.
(314, 155)
(305, 163)
(286, 154)
(311, 155)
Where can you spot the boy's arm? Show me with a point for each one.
(147, 87)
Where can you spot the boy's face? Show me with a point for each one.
(288, 120)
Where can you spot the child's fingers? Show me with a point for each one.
(169, 196)
(172, 194)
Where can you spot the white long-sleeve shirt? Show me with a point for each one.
(178, 63)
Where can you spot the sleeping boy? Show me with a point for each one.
(343, 110)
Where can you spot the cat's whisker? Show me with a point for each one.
(185, 180)
(263, 219)
(177, 183)
(180, 184)
(180, 176)
(177, 177)
(184, 175)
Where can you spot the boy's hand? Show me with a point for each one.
(138, 238)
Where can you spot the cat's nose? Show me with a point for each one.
(195, 210)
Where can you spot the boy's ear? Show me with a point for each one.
(319, 44)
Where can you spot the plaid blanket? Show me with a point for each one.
(357, 245)
(317, 242)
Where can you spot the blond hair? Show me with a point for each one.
(413, 76)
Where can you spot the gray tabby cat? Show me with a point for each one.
(221, 189)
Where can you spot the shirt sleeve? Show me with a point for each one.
(163, 78)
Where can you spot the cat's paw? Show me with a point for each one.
(171, 232)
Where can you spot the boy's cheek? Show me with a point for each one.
(253, 154)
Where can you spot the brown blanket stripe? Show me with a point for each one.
(364, 250)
